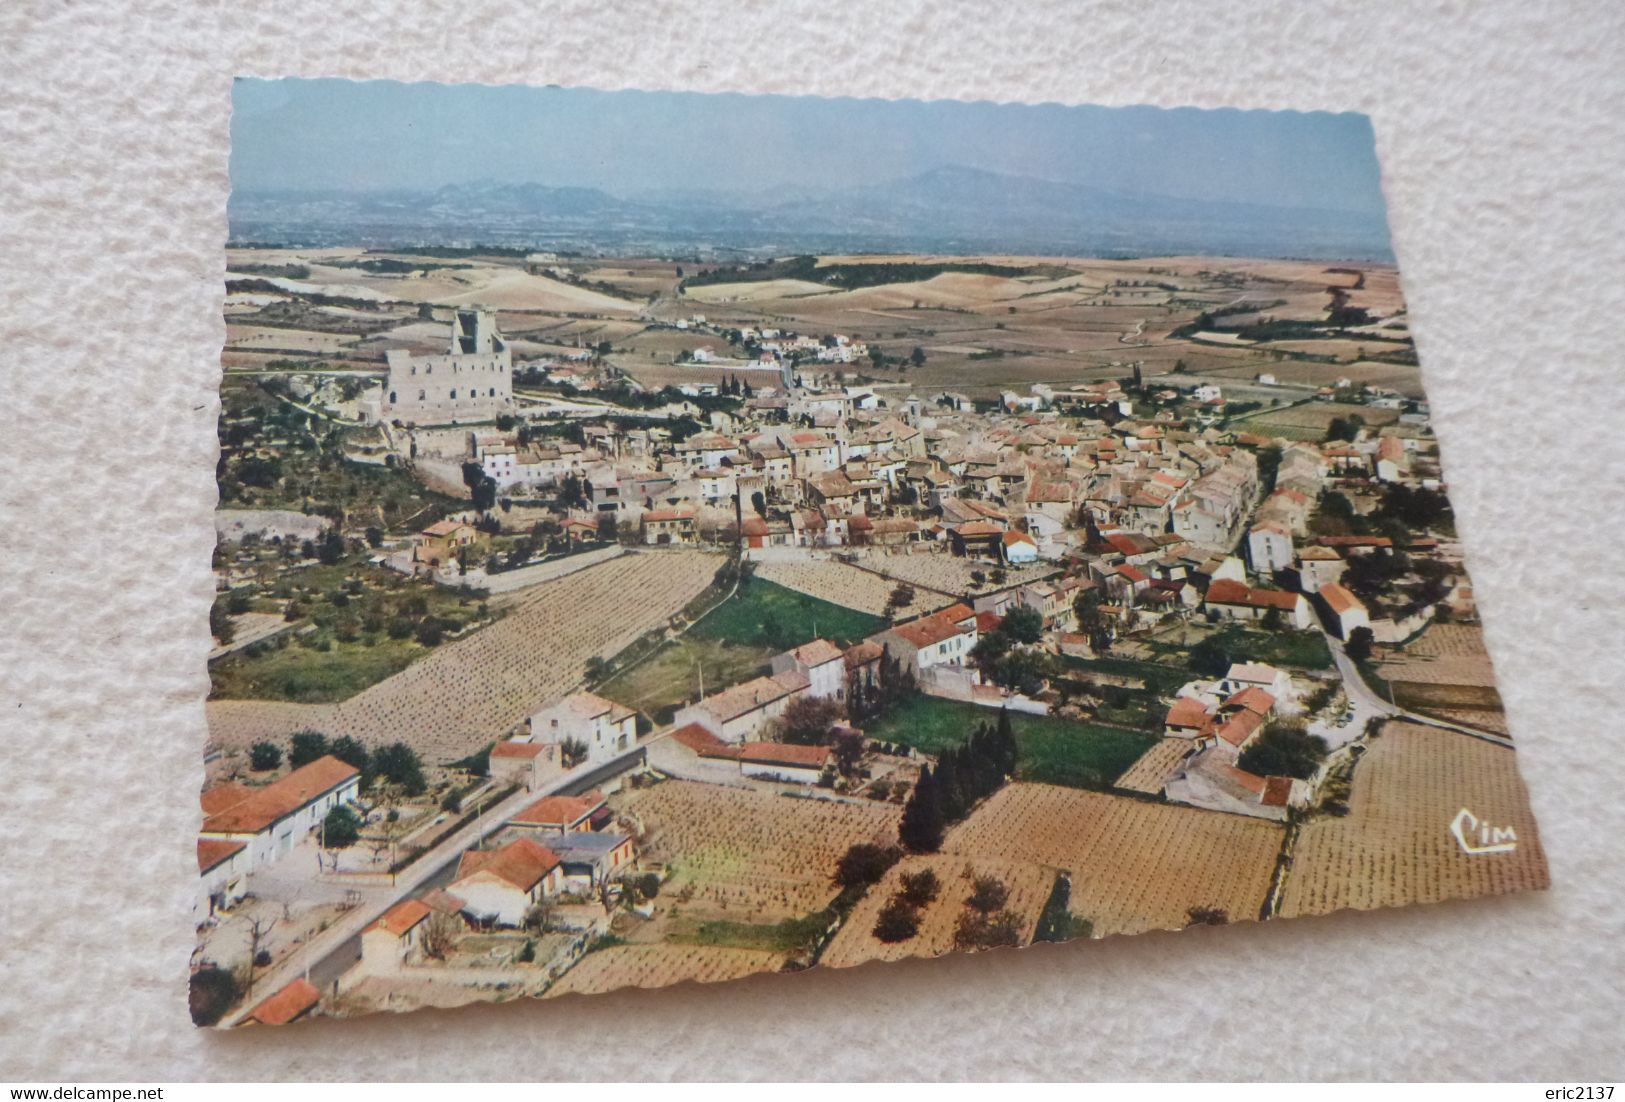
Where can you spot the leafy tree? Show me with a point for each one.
(1023, 671)
(263, 756)
(1206, 916)
(341, 829)
(897, 922)
(1023, 624)
(351, 751)
(988, 894)
(917, 357)
(330, 550)
(1284, 750)
(398, 764)
(1092, 621)
(848, 752)
(211, 993)
(429, 632)
(220, 625)
(864, 863)
(1210, 657)
(976, 930)
(1359, 644)
(919, 888)
(989, 650)
(920, 829)
(806, 720)
(305, 747)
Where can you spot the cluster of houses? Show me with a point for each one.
(1213, 723)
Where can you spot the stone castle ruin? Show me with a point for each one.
(473, 381)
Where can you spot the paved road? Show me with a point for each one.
(1368, 699)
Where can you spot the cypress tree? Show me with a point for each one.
(950, 793)
(921, 828)
(1009, 752)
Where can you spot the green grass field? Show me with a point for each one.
(671, 676)
(769, 615)
(306, 675)
(1053, 751)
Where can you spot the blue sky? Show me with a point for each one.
(368, 135)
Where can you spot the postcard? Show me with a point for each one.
(668, 537)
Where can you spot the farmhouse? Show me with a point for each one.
(222, 867)
(929, 641)
(822, 662)
(745, 709)
(524, 763)
(784, 761)
(603, 727)
(395, 939)
(565, 814)
(270, 821)
(662, 527)
(437, 545)
(1237, 601)
(589, 859)
(498, 886)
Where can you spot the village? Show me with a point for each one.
(604, 676)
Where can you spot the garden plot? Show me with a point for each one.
(946, 573)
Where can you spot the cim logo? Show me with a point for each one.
(1474, 835)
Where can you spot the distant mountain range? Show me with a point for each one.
(946, 210)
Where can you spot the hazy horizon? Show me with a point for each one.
(328, 134)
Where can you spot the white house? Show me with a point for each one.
(222, 867)
(498, 886)
(271, 821)
(1019, 547)
(929, 641)
(744, 710)
(822, 662)
(1347, 611)
(1269, 547)
(606, 728)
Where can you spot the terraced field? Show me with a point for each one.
(465, 694)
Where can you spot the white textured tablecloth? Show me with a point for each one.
(1499, 126)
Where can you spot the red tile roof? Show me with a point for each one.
(213, 851)
(278, 800)
(1252, 699)
(1187, 711)
(1338, 599)
(511, 749)
(221, 796)
(522, 863)
(926, 632)
(1277, 791)
(292, 1002)
(784, 753)
(703, 742)
(402, 917)
(560, 811)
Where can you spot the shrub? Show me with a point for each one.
(263, 756)
(919, 888)
(864, 864)
(988, 894)
(897, 922)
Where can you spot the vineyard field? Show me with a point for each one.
(1135, 865)
(467, 693)
(659, 965)
(1395, 846)
(747, 855)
